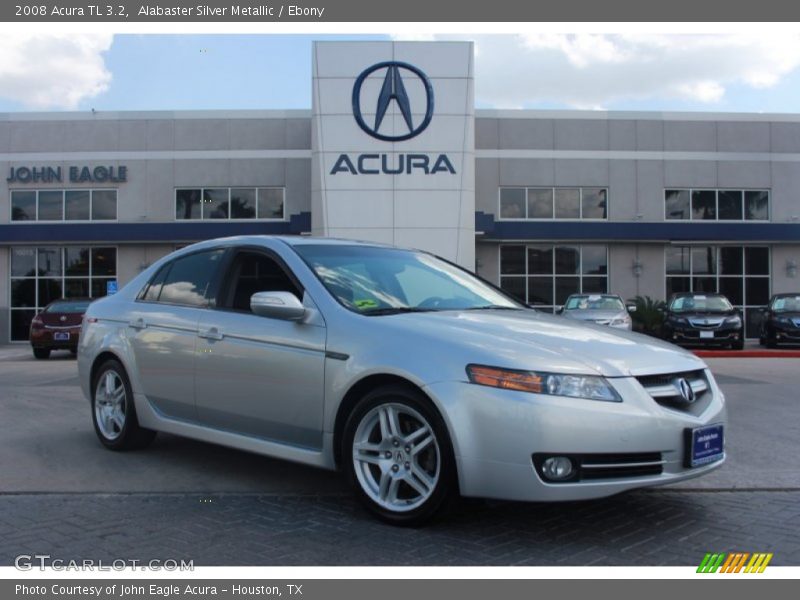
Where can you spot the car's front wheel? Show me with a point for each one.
(113, 410)
(41, 353)
(397, 455)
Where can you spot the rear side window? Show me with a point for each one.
(186, 279)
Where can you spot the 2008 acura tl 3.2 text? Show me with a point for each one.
(416, 378)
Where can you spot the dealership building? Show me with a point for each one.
(542, 203)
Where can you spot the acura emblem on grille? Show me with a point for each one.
(686, 391)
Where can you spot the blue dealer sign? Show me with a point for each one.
(393, 90)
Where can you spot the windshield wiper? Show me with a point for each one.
(396, 310)
(492, 307)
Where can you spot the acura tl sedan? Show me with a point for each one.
(602, 309)
(417, 379)
(695, 319)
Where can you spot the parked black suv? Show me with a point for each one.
(702, 319)
(781, 321)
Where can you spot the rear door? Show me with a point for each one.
(162, 329)
(255, 375)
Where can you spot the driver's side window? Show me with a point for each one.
(253, 272)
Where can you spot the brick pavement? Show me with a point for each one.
(657, 527)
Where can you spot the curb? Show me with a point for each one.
(747, 353)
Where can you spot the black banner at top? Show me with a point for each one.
(332, 11)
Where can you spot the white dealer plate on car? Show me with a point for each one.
(706, 334)
(61, 336)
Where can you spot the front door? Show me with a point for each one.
(255, 375)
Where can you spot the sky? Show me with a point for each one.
(677, 72)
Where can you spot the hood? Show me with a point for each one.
(790, 315)
(595, 315)
(530, 340)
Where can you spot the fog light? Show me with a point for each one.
(674, 336)
(557, 468)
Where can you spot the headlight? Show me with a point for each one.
(734, 321)
(679, 320)
(591, 387)
(620, 321)
(784, 320)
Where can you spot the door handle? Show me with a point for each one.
(137, 323)
(211, 334)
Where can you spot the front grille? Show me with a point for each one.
(706, 323)
(591, 467)
(666, 389)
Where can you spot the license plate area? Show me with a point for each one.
(61, 336)
(707, 334)
(703, 445)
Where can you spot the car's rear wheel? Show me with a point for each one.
(41, 353)
(397, 455)
(113, 410)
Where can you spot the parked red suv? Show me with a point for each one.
(58, 326)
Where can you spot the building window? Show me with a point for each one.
(41, 275)
(741, 273)
(544, 275)
(716, 205)
(553, 203)
(239, 203)
(63, 205)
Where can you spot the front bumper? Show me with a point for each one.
(692, 335)
(495, 434)
(785, 333)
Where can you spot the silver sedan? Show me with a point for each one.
(602, 309)
(417, 379)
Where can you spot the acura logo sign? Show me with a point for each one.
(686, 391)
(393, 91)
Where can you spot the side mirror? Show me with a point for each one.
(631, 308)
(763, 310)
(661, 309)
(277, 305)
(559, 310)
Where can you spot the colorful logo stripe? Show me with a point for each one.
(734, 562)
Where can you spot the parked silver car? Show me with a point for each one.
(416, 378)
(602, 309)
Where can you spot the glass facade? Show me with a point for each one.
(230, 203)
(63, 205)
(42, 274)
(544, 275)
(553, 203)
(716, 205)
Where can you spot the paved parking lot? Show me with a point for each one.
(62, 494)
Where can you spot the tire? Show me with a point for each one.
(738, 345)
(408, 478)
(73, 351)
(114, 412)
(41, 353)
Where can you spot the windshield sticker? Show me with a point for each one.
(366, 303)
(699, 297)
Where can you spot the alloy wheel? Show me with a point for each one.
(110, 405)
(396, 457)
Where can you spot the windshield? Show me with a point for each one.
(77, 307)
(368, 279)
(590, 302)
(700, 304)
(786, 304)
